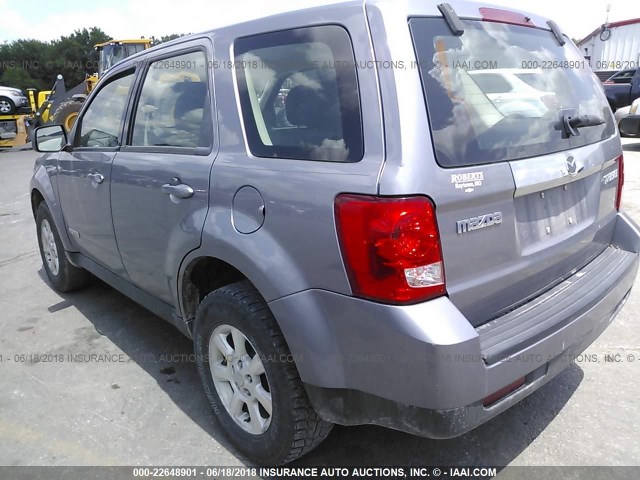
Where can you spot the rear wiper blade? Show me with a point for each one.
(571, 124)
(555, 29)
(451, 17)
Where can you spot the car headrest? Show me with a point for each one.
(309, 107)
(192, 96)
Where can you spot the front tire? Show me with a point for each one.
(67, 113)
(250, 378)
(64, 276)
(7, 107)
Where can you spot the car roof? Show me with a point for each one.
(507, 70)
(265, 10)
(467, 9)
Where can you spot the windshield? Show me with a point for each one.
(499, 92)
(113, 53)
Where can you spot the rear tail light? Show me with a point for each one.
(391, 247)
(620, 181)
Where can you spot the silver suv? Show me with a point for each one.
(351, 229)
(11, 100)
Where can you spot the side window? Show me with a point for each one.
(299, 94)
(102, 122)
(172, 110)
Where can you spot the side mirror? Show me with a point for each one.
(50, 138)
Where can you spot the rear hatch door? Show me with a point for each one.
(522, 201)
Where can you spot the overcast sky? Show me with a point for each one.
(136, 18)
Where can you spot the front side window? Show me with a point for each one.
(102, 122)
(172, 110)
(299, 94)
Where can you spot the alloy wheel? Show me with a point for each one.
(5, 107)
(49, 247)
(240, 379)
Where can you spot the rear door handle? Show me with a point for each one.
(178, 191)
(96, 177)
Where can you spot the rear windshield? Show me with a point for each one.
(499, 92)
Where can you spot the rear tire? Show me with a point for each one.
(233, 320)
(64, 276)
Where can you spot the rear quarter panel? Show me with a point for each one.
(296, 248)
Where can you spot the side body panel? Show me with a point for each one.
(154, 230)
(45, 181)
(86, 205)
(296, 248)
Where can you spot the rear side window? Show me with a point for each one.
(299, 94)
(500, 92)
(173, 107)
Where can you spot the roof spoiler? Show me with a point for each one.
(450, 15)
(557, 32)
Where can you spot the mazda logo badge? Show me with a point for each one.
(572, 166)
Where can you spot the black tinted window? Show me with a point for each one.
(173, 107)
(299, 94)
(102, 122)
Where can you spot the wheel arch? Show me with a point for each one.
(36, 199)
(201, 275)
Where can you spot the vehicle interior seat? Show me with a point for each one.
(315, 116)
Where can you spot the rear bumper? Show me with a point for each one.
(425, 369)
(630, 125)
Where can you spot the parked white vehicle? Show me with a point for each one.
(515, 91)
(11, 99)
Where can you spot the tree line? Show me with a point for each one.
(35, 64)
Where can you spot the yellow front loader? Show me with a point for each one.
(14, 128)
(64, 105)
(60, 105)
